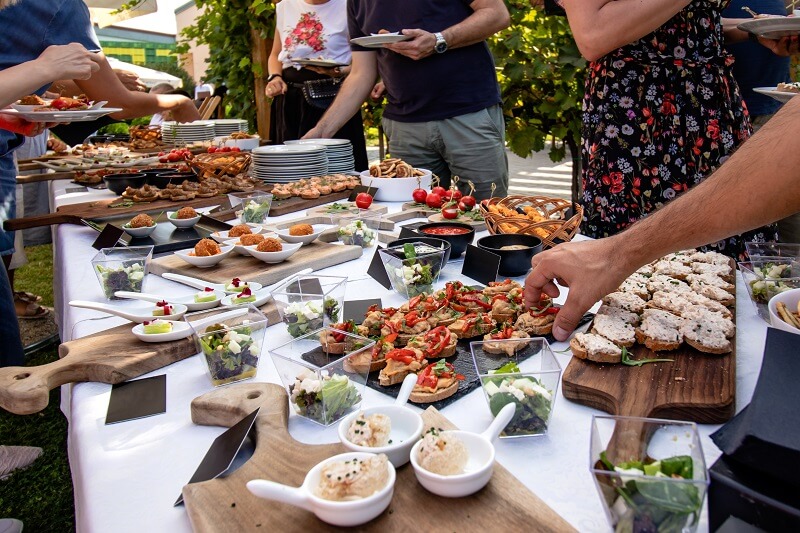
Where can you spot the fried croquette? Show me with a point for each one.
(250, 240)
(186, 212)
(141, 221)
(239, 230)
(206, 248)
(301, 229)
(269, 245)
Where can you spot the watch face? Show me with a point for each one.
(441, 47)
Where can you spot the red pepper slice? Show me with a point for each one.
(403, 355)
(458, 308)
(412, 318)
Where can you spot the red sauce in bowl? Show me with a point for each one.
(445, 230)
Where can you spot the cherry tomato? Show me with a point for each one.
(235, 149)
(464, 207)
(212, 149)
(468, 200)
(173, 157)
(363, 200)
(450, 211)
(419, 195)
(434, 200)
(453, 195)
(441, 191)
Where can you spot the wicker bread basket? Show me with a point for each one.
(555, 226)
(145, 133)
(220, 164)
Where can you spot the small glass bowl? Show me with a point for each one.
(360, 230)
(411, 277)
(765, 278)
(231, 342)
(255, 209)
(122, 269)
(762, 250)
(649, 472)
(532, 386)
(309, 302)
(322, 386)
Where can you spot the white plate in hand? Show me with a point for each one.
(325, 63)
(773, 27)
(773, 92)
(378, 40)
(62, 117)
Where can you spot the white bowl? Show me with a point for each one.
(303, 239)
(222, 236)
(261, 298)
(139, 232)
(407, 427)
(790, 299)
(245, 144)
(180, 330)
(182, 222)
(204, 262)
(274, 257)
(480, 465)
(346, 513)
(396, 189)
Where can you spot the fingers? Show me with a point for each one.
(568, 319)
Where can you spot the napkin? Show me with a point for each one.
(766, 435)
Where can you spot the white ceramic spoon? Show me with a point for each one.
(138, 315)
(201, 284)
(188, 301)
(180, 330)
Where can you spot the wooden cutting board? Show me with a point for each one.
(111, 356)
(224, 504)
(295, 203)
(316, 255)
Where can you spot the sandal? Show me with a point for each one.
(27, 296)
(29, 310)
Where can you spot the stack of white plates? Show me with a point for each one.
(284, 163)
(340, 153)
(187, 132)
(226, 126)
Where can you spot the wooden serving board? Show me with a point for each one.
(295, 203)
(225, 504)
(111, 356)
(316, 255)
(322, 211)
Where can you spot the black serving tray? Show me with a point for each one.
(166, 237)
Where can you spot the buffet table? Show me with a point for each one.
(127, 476)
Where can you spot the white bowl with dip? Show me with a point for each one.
(480, 463)
(407, 426)
(338, 513)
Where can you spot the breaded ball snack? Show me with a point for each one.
(301, 229)
(269, 245)
(141, 221)
(250, 240)
(186, 212)
(239, 230)
(206, 248)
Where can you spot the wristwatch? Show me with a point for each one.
(441, 44)
(273, 76)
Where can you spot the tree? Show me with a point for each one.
(541, 74)
(173, 68)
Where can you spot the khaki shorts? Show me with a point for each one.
(470, 146)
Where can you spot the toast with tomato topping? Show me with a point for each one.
(373, 359)
(539, 319)
(333, 342)
(435, 344)
(472, 325)
(436, 382)
(401, 362)
(505, 339)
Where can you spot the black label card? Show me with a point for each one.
(213, 223)
(480, 265)
(408, 233)
(222, 452)
(108, 238)
(305, 286)
(137, 399)
(372, 191)
(356, 310)
(377, 271)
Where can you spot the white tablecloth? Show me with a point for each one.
(127, 476)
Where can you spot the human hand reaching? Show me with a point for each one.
(185, 111)
(378, 91)
(130, 80)
(418, 47)
(70, 61)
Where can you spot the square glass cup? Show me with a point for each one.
(255, 209)
(650, 473)
(411, 277)
(359, 229)
(122, 269)
(307, 302)
(322, 374)
(764, 250)
(767, 277)
(532, 384)
(231, 342)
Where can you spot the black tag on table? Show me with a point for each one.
(223, 450)
(356, 310)
(377, 271)
(70, 190)
(137, 399)
(108, 238)
(304, 286)
(408, 233)
(480, 265)
(372, 191)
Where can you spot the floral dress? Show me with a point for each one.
(660, 114)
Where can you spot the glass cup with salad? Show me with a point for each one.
(122, 269)
(307, 302)
(413, 268)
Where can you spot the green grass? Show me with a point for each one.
(41, 495)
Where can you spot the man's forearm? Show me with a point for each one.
(354, 92)
(488, 18)
(20, 80)
(756, 186)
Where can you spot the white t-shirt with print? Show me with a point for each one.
(311, 31)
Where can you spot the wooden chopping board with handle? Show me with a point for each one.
(316, 255)
(111, 356)
(224, 504)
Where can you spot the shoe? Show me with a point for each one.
(10, 525)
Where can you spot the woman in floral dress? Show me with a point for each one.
(661, 108)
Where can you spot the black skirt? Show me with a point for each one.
(292, 117)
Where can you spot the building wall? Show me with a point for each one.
(137, 47)
(195, 61)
